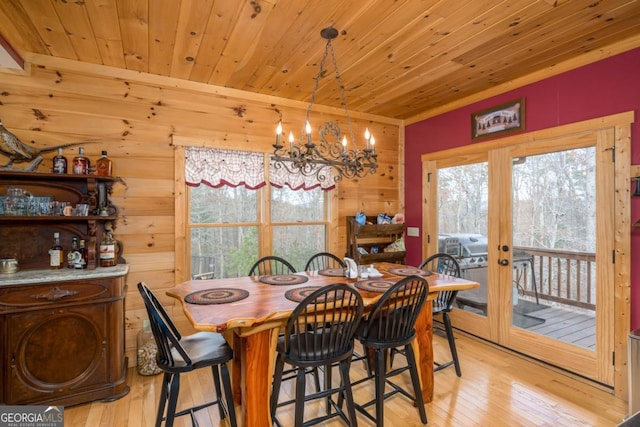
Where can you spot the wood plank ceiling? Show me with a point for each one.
(397, 58)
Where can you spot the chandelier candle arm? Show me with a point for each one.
(308, 130)
(367, 137)
(311, 159)
(278, 135)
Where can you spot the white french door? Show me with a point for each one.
(533, 222)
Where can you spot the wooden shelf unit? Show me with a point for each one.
(368, 235)
(28, 238)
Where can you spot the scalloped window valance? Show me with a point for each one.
(217, 167)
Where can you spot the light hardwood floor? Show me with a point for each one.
(497, 388)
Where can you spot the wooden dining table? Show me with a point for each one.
(251, 324)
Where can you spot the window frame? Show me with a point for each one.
(264, 224)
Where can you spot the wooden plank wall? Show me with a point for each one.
(135, 117)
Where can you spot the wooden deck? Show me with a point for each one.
(563, 324)
(574, 326)
(561, 318)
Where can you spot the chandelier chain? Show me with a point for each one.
(311, 159)
(317, 82)
(342, 96)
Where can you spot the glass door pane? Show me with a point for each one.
(554, 245)
(548, 289)
(462, 227)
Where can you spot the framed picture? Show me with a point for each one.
(507, 117)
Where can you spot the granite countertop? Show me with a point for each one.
(44, 276)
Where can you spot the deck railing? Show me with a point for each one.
(202, 267)
(564, 277)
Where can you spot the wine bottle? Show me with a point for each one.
(104, 165)
(60, 163)
(81, 163)
(56, 253)
(83, 255)
(73, 256)
(108, 251)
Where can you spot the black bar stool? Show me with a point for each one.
(320, 333)
(391, 325)
(179, 354)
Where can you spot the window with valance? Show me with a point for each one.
(242, 208)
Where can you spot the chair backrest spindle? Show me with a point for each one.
(323, 324)
(394, 315)
(271, 265)
(446, 264)
(323, 260)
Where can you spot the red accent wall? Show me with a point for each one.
(603, 88)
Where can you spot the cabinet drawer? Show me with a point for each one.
(55, 293)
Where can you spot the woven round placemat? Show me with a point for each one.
(333, 272)
(409, 271)
(216, 296)
(284, 279)
(298, 294)
(374, 285)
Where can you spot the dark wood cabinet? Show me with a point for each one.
(62, 340)
(373, 238)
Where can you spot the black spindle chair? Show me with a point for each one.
(319, 333)
(178, 354)
(391, 325)
(443, 263)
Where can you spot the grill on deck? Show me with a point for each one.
(471, 252)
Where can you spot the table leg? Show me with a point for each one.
(257, 372)
(235, 368)
(424, 338)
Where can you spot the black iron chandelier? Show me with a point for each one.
(311, 159)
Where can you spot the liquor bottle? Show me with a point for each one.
(84, 255)
(81, 163)
(56, 254)
(108, 251)
(60, 163)
(73, 256)
(104, 165)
